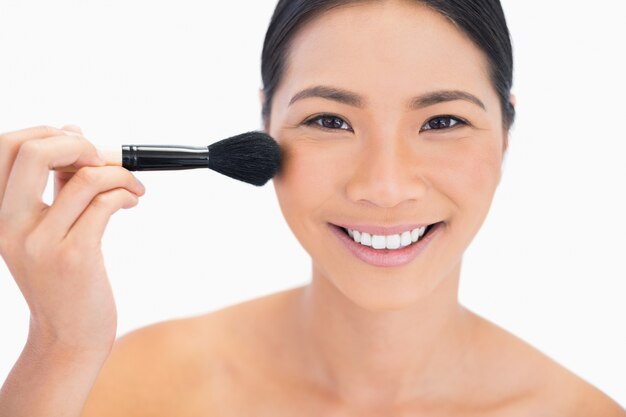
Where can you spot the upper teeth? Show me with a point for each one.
(387, 241)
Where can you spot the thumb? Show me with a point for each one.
(100, 159)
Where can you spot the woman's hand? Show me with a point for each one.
(54, 252)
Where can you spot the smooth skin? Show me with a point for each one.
(358, 340)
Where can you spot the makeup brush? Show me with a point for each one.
(252, 157)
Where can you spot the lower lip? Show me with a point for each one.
(386, 257)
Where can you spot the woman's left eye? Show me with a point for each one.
(330, 122)
(442, 123)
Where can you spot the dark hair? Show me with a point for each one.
(482, 20)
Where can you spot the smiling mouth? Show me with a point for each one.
(382, 242)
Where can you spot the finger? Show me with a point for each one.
(32, 133)
(80, 190)
(10, 144)
(61, 177)
(90, 226)
(34, 160)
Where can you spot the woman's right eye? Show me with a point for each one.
(329, 122)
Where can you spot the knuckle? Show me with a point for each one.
(5, 141)
(33, 247)
(124, 177)
(14, 138)
(104, 200)
(87, 175)
(43, 131)
(31, 150)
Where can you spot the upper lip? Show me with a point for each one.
(382, 230)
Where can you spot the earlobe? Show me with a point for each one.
(266, 123)
(505, 144)
(513, 100)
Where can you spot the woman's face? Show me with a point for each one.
(377, 160)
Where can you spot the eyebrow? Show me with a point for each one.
(415, 103)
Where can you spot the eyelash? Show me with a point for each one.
(323, 116)
(458, 122)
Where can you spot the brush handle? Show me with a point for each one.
(164, 157)
(154, 158)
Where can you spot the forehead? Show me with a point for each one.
(383, 49)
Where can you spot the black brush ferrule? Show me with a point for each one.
(164, 157)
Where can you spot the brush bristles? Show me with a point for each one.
(252, 157)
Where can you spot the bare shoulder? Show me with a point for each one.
(590, 401)
(570, 396)
(143, 373)
(536, 383)
(174, 367)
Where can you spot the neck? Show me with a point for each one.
(382, 356)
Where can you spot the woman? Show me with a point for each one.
(394, 116)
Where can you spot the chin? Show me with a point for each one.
(380, 293)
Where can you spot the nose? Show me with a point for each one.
(387, 173)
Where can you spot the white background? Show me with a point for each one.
(548, 264)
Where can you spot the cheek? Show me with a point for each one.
(469, 174)
(305, 181)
